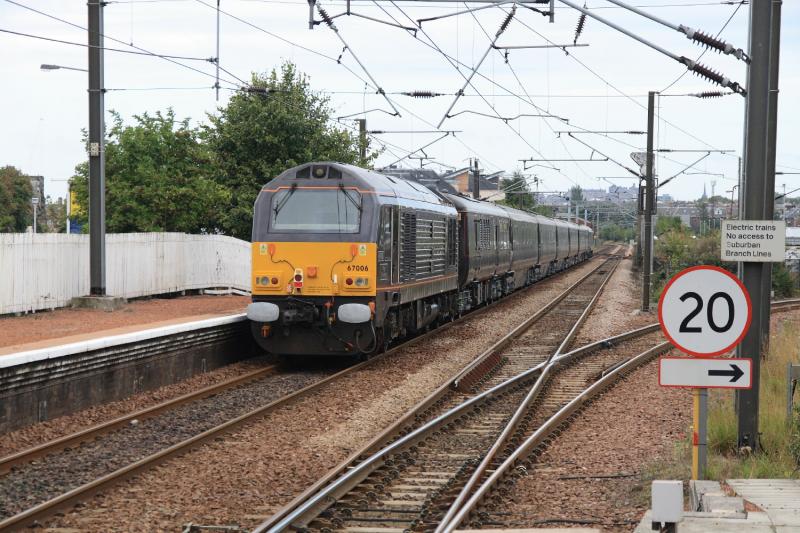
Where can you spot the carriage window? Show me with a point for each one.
(316, 210)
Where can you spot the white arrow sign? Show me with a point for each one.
(705, 373)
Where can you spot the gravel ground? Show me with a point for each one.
(59, 472)
(257, 469)
(39, 433)
(65, 322)
(618, 308)
(648, 422)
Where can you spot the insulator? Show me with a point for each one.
(579, 27)
(710, 94)
(324, 15)
(507, 21)
(712, 76)
(712, 42)
(421, 94)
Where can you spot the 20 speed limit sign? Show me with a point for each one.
(704, 311)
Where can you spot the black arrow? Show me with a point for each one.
(735, 374)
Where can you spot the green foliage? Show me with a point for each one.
(546, 210)
(782, 283)
(576, 194)
(158, 178)
(518, 193)
(56, 214)
(258, 136)
(667, 223)
(780, 457)
(15, 200)
(615, 232)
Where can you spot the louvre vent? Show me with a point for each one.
(408, 247)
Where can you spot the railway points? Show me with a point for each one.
(403, 342)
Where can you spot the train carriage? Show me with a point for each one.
(345, 260)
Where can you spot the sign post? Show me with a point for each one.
(704, 311)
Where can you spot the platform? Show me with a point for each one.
(778, 499)
(56, 376)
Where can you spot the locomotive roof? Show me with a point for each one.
(366, 181)
(472, 205)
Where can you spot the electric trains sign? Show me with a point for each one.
(705, 312)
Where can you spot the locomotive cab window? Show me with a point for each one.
(316, 210)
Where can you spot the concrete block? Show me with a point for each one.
(700, 487)
(103, 303)
(667, 501)
(713, 503)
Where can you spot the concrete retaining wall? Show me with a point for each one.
(45, 388)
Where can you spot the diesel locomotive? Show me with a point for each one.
(346, 260)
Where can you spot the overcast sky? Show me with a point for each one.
(600, 87)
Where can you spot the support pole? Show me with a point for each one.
(700, 434)
(772, 132)
(97, 178)
(649, 205)
(639, 209)
(756, 198)
(216, 59)
(476, 183)
(362, 140)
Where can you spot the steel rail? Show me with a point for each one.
(523, 407)
(317, 497)
(349, 475)
(546, 429)
(82, 492)
(374, 445)
(464, 379)
(24, 456)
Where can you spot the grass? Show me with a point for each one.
(677, 466)
(777, 459)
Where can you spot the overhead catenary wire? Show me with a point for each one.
(477, 66)
(725, 25)
(534, 105)
(691, 65)
(335, 30)
(616, 89)
(120, 41)
(712, 43)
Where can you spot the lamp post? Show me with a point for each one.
(46, 67)
(730, 215)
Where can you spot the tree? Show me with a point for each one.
(517, 192)
(158, 178)
(258, 135)
(576, 194)
(15, 200)
(667, 223)
(56, 215)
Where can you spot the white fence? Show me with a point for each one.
(47, 270)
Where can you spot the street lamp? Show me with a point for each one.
(47, 67)
(731, 208)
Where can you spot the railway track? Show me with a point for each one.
(413, 482)
(453, 468)
(23, 482)
(408, 471)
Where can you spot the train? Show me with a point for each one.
(346, 261)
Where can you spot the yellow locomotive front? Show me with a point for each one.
(314, 261)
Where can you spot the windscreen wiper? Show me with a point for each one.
(285, 199)
(352, 200)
